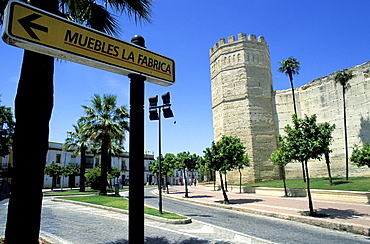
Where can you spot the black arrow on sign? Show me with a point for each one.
(27, 24)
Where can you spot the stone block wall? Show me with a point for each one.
(323, 97)
(245, 105)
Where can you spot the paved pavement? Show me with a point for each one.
(343, 215)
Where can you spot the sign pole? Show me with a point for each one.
(136, 148)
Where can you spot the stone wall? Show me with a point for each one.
(323, 97)
(244, 105)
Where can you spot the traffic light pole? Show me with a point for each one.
(160, 164)
(136, 148)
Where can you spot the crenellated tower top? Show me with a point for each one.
(241, 37)
(244, 51)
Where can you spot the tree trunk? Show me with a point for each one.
(226, 182)
(214, 180)
(327, 160)
(168, 190)
(33, 108)
(310, 204)
(226, 200)
(292, 86)
(282, 172)
(303, 173)
(345, 130)
(104, 166)
(82, 169)
(240, 181)
(186, 185)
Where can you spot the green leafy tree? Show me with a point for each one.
(302, 143)
(361, 156)
(7, 125)
(93, 176)
(105, 123)
(290, 67)
(168, 163)
(240, 165)
(209, 163)
(186, 162)
(224, 155)
(53, 170)
(281, 158)
(71, 170)
(78, 142)
(342, 77)
(325, 140)
(35, 90)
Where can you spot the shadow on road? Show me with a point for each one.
(163, 240)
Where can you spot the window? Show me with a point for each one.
(89, 162)
(58, 157)
(123, 165)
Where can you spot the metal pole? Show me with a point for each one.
(160, 164)
(136, 147)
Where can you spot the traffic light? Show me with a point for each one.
(167, 112)
(166, 98)
(153, 114)
(153, 101)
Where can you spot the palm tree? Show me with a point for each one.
(342, 77)
(105, 123)
(115, 149)
(35, 90)
(290, 67)
(78, 142)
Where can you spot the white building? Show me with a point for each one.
(57, 155)
(63, 158)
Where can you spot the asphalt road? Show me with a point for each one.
(272, 229)
(70, 223)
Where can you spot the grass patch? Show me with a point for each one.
(77, 192)
(120, 203)
(341, 184)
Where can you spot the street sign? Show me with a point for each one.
(34, 29)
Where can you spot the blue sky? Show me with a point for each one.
(325, 36)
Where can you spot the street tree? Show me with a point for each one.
(105, 123)
(35, 90)
(225, 155)
(168, 163)
(342, 77)
(71, 170)
(186, 162)
(78, 141)
(325, 140)
(290, 67)
(53, 170)
(7, 125)
(281, 157)
(208, 163)
(361, 156)
(239, 166)
(302, 142)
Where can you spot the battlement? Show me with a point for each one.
(240, 37)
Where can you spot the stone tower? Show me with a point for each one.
(242, 101)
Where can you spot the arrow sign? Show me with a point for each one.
(27, 24)
(37, 30)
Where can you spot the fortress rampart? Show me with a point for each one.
(245, 105)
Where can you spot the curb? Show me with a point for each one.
(122, 211)
(325, 223)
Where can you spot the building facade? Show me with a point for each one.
(63, 158)
(244, 104)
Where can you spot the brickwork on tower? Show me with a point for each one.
(242, 101)
(245, 105)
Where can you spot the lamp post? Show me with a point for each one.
(155, 114)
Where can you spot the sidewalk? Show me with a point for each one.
(343, 215)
